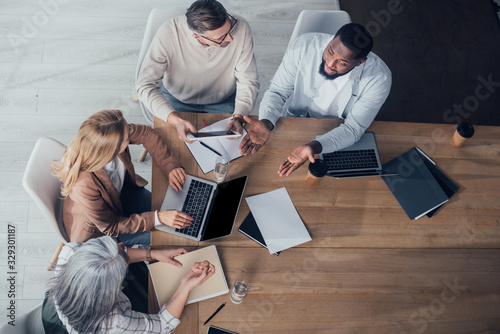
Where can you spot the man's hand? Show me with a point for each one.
(167, 255)
(175, 218)
(256, 137)
(235, 124)
(182, 127)
(200, 272)
(176, 178)
(296, 159)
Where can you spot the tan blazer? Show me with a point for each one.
(93, 207)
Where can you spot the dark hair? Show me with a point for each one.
(205, 15)
(356, 38)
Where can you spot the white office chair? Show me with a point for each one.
(29, 323)
(156, 18)
(327, 21)
(44, 188)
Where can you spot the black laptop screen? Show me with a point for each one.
(226, 204)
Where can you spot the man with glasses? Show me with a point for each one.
(200, 62)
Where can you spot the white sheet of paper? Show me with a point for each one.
(205, 157)
(278, 220)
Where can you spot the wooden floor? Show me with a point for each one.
(57, 69)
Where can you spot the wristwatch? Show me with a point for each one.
(239, 119)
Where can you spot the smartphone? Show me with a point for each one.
(213, 134)
(216, 330)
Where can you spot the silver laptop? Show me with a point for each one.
(358, 160)
(213, 206)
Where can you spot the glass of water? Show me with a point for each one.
(240, 290)
(220, 170)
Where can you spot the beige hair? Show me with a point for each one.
(97, 143)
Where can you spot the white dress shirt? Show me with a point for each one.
(298, 89)
(116, 171)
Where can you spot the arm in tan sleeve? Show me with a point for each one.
(145, 135)
(101, 215)
(247, 83)
(153, 69)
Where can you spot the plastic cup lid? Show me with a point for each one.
(465, 129)
(318, 168)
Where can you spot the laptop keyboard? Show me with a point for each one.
(342, 160)
(195, 205)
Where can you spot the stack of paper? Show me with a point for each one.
(206, 157)
(278, 220)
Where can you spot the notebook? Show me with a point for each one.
(214, 212)
(205, 156)
(358, 160)
(416, 188)
(166, 277)
(250, 228)
(448, 186)
(216, 330)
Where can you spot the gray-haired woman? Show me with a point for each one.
(86, 290)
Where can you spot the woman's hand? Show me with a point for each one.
(175, 218)
(200, 272)
(176, 178)
(167, 255)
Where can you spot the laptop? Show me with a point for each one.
(358, 160)
(213, 206)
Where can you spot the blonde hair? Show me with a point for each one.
(97, 143)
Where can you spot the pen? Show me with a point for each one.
(211, 149)
(204, 122)
(215, 313)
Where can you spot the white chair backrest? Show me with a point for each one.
(29, 323)
(326, 21)
(156, 18)
(42, 186)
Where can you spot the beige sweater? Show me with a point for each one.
(198, 74)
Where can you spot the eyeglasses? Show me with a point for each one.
(220, 40)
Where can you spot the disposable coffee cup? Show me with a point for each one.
(463, 132)
(316, 171)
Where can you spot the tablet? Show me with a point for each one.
(213, 134)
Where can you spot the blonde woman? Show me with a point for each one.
(102, 193)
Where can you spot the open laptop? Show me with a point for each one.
(213, 206)
(358, 160)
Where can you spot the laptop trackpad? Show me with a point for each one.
(174, 200)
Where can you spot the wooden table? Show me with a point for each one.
(368, 268)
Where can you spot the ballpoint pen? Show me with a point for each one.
(205, 122)
(211, 149)
(215, 313)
